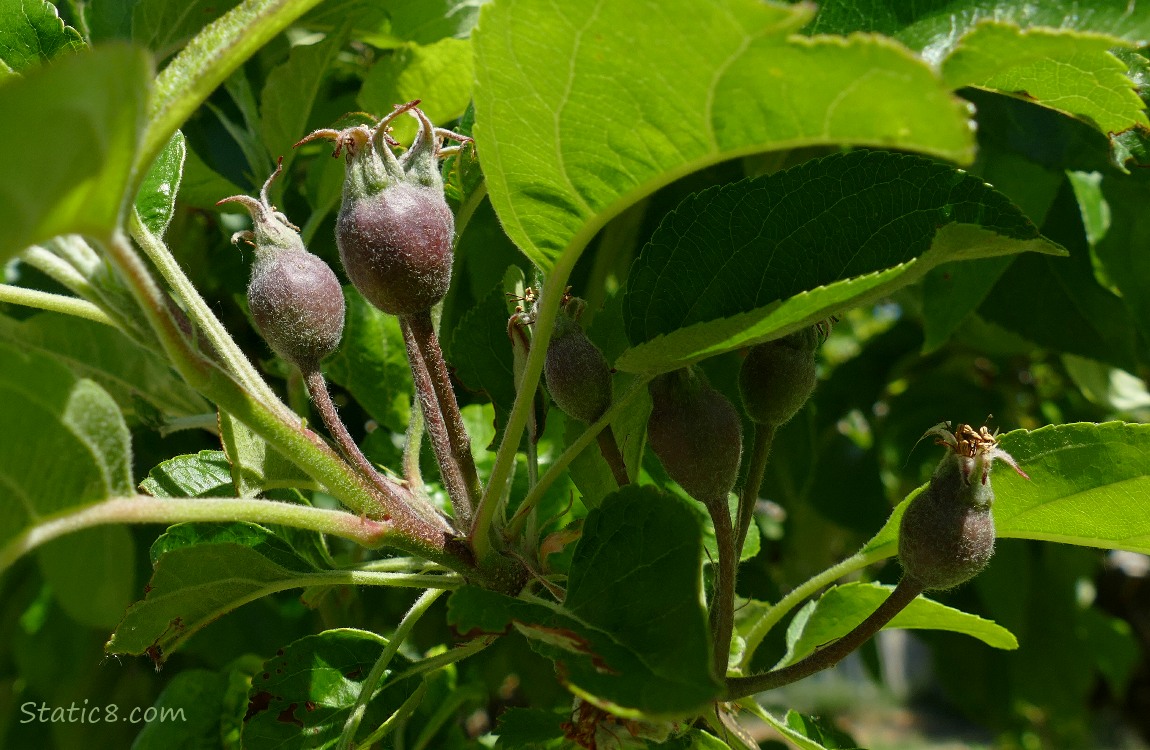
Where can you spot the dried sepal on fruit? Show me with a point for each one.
(295, 298)
(946, 536)
(395, 230)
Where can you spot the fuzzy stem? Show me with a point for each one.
(515, 526)
(756, 467)
(60, 270)
(459, 653)
(826, 657)
(499, 483)
(423, 329)
(520, 348)
(375, 676)
(188, 362)
(780, 609)
(449, 468)
(60, 303)
(398, 720)
(411, 471)
(144, 509)
(398, 498)
(723, 604)
(610, 450)
(201, 314)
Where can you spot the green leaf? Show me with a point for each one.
(31, 33)
(163, 26)
(439, 74)
(796, 733)
(372, 363)
(203, 474)
(256, 466)
(1070, 71)
(841, 608)
(125, 369)
(156, 199)
(304, 694)
(480, 352)
(250, 535)
(746, 262)
(631, 636)
(291, 92)
(737, 83)
(201, 572)
(820, 731)
(93, 104)
(1088, 486)
(48, 412)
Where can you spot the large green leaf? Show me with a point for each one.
(127, 370)
(1089, 485)
(1070, 71)
(92, 574)
(737, 83)
(840, 609)
(631, 636)
(93, 105)
(203, 571)
(745, 262)
(49, 413)
(31, 33)
(304, 694)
